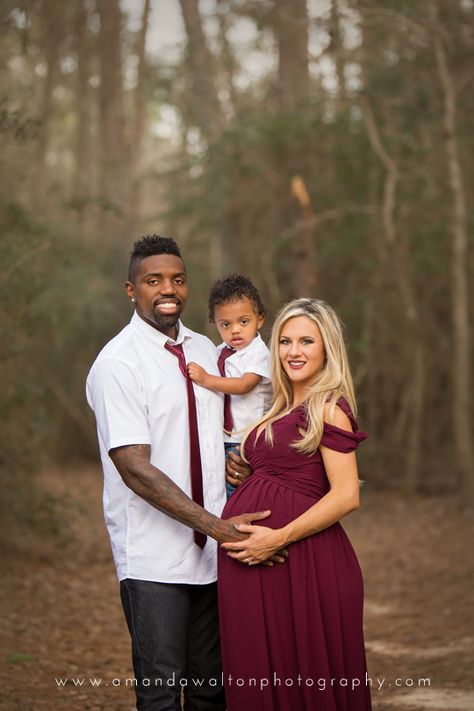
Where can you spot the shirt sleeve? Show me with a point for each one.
(118, 400)
(259, 363)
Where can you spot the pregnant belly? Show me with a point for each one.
(264, 494)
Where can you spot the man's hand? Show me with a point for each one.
(226, 530)
(237, 470)
(240, 541)
(197, 374)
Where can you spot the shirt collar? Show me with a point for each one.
(157, 337)
(253, 343)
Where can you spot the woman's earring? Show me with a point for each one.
(132, 300)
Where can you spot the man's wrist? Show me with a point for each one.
(223, 530)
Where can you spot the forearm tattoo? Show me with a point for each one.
(155, 487)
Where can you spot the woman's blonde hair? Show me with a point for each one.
(333, 380)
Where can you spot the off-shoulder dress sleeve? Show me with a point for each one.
(334, 437)
(339, 439)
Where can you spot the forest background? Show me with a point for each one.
(323, 148)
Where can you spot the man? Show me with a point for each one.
(163, 459)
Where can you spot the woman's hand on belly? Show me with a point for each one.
(262, 544)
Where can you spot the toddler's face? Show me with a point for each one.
(237, 322)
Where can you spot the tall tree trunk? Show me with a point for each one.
(208, 111)
(82, 172)
(291, 30)
(411, 406)
(209, 118)
(139, 118)
(228, 59)
(304, 251)
(336, 48)
(51, 13)
(291, 25)
(375, 290)
(114, 174)
(461, 367)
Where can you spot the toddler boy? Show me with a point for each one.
(237, 310)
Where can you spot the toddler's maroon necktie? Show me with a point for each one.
(228, 419)
(195, 452)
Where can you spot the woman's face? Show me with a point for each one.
(301, 351)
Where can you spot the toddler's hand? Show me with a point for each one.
(196, 373)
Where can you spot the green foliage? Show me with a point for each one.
(228, 202)
(56, 311)
(20, 658)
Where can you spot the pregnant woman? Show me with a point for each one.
(291, 634)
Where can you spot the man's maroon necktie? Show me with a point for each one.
(228, 419)
(195, 452)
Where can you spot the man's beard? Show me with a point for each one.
(162, 322)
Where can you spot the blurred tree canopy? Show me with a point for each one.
(323, 148)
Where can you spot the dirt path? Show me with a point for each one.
(62, 618)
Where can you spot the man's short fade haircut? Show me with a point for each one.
(231, 288)
(150, 246)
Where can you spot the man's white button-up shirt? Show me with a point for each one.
(138, 395)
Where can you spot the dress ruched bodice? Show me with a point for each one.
(302, 473)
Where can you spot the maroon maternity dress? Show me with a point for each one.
(291, 634)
